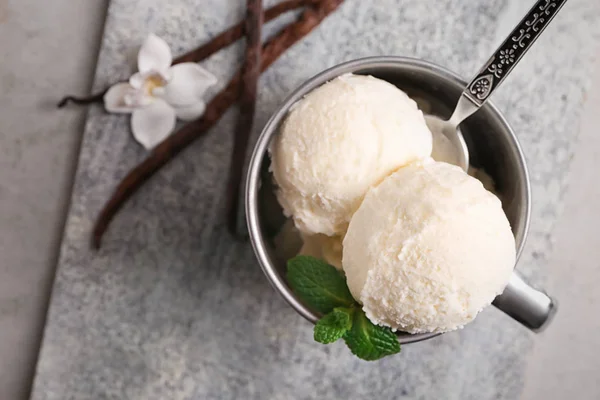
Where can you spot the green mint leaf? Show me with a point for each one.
(333, 326)
(369, 341)
(318, 284)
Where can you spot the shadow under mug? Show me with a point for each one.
(492, 145)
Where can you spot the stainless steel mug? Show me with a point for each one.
(492, 145)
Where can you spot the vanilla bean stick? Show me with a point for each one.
(234, 33)
(175, 143)
(94, 98)
(222, 40)
(247, 105)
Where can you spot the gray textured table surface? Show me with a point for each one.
(172, 308)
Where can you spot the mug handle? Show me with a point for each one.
(531, 307)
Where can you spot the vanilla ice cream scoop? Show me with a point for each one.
(338, 141)
(428, 249)
(328, 248)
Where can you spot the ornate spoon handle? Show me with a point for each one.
(510, 52)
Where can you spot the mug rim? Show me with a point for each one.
(277, 280)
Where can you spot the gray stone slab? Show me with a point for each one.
(171, 307)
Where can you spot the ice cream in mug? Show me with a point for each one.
(425, 246)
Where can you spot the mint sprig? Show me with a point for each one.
(369, 341)
(318, 284)
(334, 325)
(324, 288)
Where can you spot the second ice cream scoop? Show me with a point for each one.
(428, 249)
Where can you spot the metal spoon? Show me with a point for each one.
(492, 74)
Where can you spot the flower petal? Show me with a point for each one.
(154, 55)
(190, 113)
(114, 99)
(152, 124)
(188, 83)
(137, 80)
(137, 98)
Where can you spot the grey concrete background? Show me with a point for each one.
(565, 362)
(45, 51)
(38, 147)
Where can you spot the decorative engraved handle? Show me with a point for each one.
(511, 51)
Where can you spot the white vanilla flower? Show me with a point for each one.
(159, 93)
